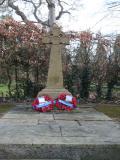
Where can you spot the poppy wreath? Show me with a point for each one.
(66, 102)
(43, 104)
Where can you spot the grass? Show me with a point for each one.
(5, 107)
(3, 88)
(111, 110)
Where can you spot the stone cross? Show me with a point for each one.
(55, 75)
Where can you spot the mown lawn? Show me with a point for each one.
(112, 111)
(5, 107)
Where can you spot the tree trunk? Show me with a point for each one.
(85, 82)
(37, 73)
(99, 89)
(16, 81)
(27, 80)
(9, 82)
(110, 87)
(51, 8)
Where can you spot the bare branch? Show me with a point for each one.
(23, 16)
(35, 13)
(113, 4)
(50, 3)
(17, 10)
(65, 2)
(2, 2)
(61, 11)
(36, 7)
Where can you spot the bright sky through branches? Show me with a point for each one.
(87, 14)
(94, 15)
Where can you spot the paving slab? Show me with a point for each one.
(15, 121)
(87, 134)
(41, 116)
(86, 116)
(91, 129)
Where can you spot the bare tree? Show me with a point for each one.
(36, 6)
(113, 68)
(82, 59)
(100, 63)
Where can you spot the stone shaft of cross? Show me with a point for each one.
(57, 39)
(55, 75)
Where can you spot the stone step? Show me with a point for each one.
(60, 152)
(88, 135)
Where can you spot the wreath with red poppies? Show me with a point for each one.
(43, 103)
(66, 102)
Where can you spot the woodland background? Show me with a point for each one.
(91, 63)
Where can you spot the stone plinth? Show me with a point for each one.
(54, 92)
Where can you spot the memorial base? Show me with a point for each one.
(53, 92)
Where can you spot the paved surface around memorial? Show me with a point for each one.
(22, 125)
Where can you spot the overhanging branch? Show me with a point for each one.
(2, 2)
(36, 7)
(50, 3)
(61, 10)
(114, 4)
(17, 10)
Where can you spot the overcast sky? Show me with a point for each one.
(93, 15)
